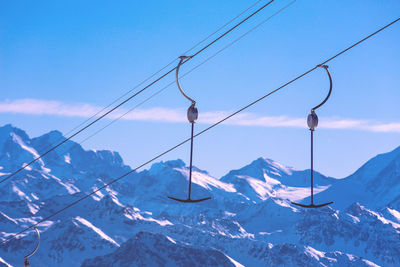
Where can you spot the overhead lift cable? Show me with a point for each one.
(180, 77)
(201, 132)
(135, 94)
(157, 72)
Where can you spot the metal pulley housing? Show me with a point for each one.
(192, 113)
(312, 120)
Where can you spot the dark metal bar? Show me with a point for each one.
(312, 167)
(191, 160)
(330, 87)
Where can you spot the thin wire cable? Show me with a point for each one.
(182, 76)
(199, 133)
(220, 28)
(104, 108)
(135, 94)
(228, 31)
(154, 74)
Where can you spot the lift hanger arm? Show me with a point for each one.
(182, 58)
(37, 245)
(330, 87)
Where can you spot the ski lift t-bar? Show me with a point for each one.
(192, 115)
(312, 122)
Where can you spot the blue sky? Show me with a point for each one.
(60, 62)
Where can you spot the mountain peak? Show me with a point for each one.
(269, 163)
(375, 165)
(54, 134)
(7, 129)
(170, 164)
(50, 138)
(259, 167)
(178, 163)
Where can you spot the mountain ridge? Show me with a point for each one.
(250, 217)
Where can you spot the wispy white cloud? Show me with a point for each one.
(168, 115)
(46, 107)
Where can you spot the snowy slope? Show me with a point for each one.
(162, 250)
(265, 178)
(147, 249)
(376, 184)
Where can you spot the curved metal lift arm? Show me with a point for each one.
(182, 58)
(330, 87)
(26, 261)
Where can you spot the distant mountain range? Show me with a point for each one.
(248, 222)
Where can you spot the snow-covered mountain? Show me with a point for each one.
(376, 184)
(249, 220)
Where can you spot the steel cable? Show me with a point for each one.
(135, 94)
